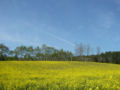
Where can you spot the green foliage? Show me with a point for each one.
(46, 53)
(111, 57)
(4, 51)
(23, 53)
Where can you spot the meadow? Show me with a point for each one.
(58, 75)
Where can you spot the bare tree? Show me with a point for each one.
(77, 49)
(98, 50)
(92, 50)
(98, 53)
(88, 49)
(81, 49)
(85, 49)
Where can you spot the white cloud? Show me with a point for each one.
(106, 20)
(117, 2)
(58, 38)
(17, 38)
(7, 37)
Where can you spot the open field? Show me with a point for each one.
(58, 75)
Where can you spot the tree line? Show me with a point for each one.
(23, 53)
(47, 53)
(86, 53)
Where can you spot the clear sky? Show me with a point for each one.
(60, 23)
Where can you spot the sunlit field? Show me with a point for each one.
(58, 75)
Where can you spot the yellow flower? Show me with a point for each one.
(110, 77)
(97, 88)
(90, 88)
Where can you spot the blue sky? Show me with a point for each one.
(60, 23)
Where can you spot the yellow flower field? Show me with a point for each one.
(58, 75)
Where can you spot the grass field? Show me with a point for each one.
(58, 75)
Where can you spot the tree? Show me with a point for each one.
(44, 50)
(67, 55)
(108, 57)
(24, 51)
(77, 50)
(29, 53)
(21, 51)
(88, 49)
(1, 51)
(55, 54)
(16, 51)
(30, 50)
(37, 53)
(81, 50)
(61, 53)
(102, 57)
(92, 50)
(71, 55)
(4, 51)
(98, 50)
(98, 53)
(38, 56)
(47, 52)
(85, 49)
(52, 50)
(17, 54)
(11, 54)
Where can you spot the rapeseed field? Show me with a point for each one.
(58, 75)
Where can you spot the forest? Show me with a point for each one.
(48, 53)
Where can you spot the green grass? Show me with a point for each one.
(58, 75)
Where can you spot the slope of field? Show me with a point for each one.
(56, 75)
